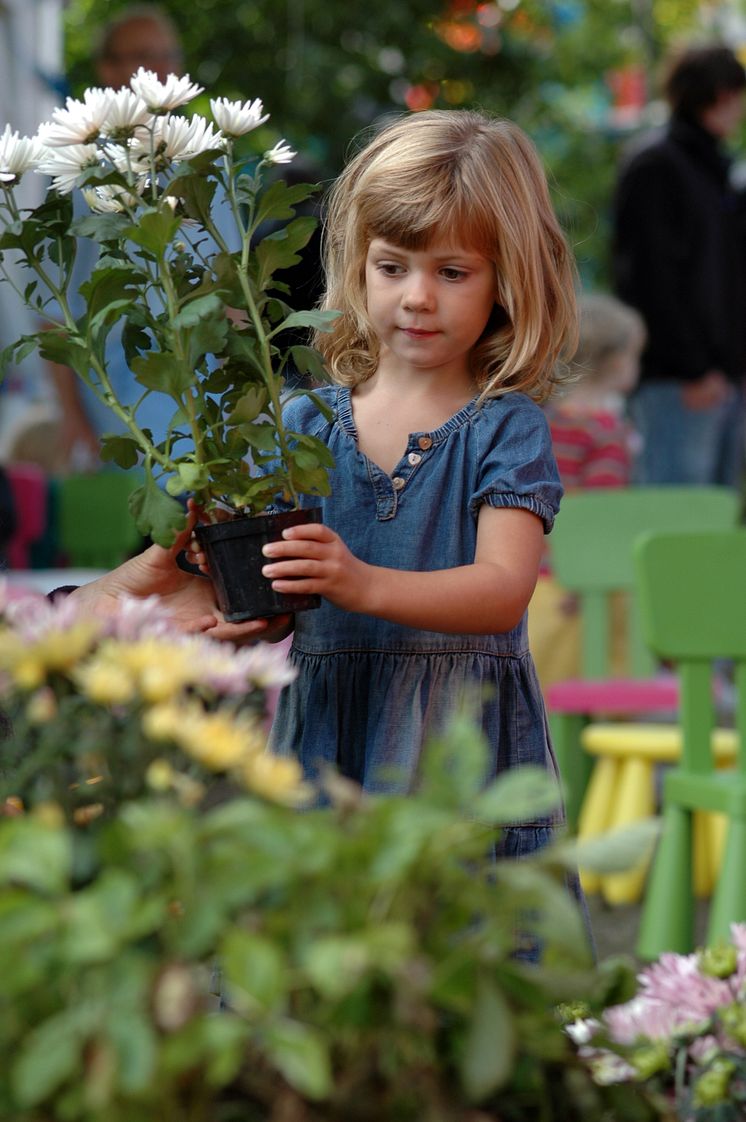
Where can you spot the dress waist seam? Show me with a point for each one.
(410, 652)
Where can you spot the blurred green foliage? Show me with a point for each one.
(326, 69)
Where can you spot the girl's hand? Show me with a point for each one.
(313, 559)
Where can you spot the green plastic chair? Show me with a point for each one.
(692, 597)
(592, 556)
(96, 529)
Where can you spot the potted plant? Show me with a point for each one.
(190, 237)
(364, 946)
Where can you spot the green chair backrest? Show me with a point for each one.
(592, 553)
(96, 528)
(692, 600)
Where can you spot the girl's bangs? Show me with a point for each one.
(418, 225)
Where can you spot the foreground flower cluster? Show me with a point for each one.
(684, 1032)
(138, 692)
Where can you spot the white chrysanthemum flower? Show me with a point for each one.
(159, 96)
(236, 119)
(66, 165)
(79, 122)
(282, 153)
(174, 139)
(110, 198)
(18, 154)
(127, 111)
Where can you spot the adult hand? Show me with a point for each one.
(189, 599)
(312, 559)
(708, 392)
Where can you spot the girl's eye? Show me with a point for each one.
(389, 268)
(452, 273)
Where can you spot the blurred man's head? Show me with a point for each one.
(706, 85)
(142, 35)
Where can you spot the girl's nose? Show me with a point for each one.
(419, 294)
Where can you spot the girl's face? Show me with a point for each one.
(430, 306)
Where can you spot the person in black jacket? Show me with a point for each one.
(679, 258)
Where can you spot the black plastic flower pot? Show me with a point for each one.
(234, 554)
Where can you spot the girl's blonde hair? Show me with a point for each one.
(480, 180)
(607, 327)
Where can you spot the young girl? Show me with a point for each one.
(456, 291)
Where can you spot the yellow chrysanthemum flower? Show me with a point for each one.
(42, 707)
(105, 683)
(220, 741)
(29, 663)
(160, 775)
(278, 778)
(161, 668)
(164, 722)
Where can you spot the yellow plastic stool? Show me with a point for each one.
(622, 790)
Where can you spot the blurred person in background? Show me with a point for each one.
(595, 446)
(678, 257)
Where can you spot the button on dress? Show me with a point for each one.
(369, 691)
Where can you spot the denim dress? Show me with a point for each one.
(368, 691)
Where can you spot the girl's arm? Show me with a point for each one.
(487, 596)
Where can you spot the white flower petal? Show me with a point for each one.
(66, 164)
(18, 154)
(162, 96)
(174, 139)
(109, 198)
(125, 113)
(235, 118)
(282, 153)
(79, 122)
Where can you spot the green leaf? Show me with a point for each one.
(157, 514)
(307, 360)
(34, 854)
(279, 201)
(101, 227)
(120, 450)
(58, 346)
(49, 1055)
(197, 193)
(322, 321)
(518, 795)
(302, 1056)
(98, 917)
(155, 231)
(190, 477)
(15, 353)
(136, 1048)
(135, 338)
(612, 852)
(336, 963)
(261, 437)
(208, 337)
(489, 1048)
(280, 249)
(161, 371)
(254, 971)
(203, 307)
(248, 407)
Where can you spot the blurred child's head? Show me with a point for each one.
(612, 336)
(479, 183)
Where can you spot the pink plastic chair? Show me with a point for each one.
(29, 486)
